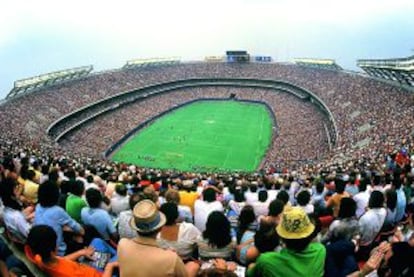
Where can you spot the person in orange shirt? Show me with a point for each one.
(335, 200)
(41, 250)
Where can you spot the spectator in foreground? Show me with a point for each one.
(300, 257)
(41, 249)
(142, 256)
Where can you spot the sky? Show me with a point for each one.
(42, 36)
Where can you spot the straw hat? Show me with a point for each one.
(146, 217)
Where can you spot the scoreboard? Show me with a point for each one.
(237, 56)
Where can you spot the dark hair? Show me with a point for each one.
(170, 210)
(347, 208)
(209, 195)
(253, 188)
(31, 174)
(391, 199)
(239, 195)
(362, 185)
(121, 189)
(217, 230)
(134, 199)
(266, 239)
(94, 198)
(276, 207)
(77, 187)
(246, 217)
(376, 200)
(7, 187)
(89, 179)
(262, 195)
(319, 187)
(283, 196)
(53, 175)
(42, 241)
(303, 197)
(339, 185)
(48, 194)
(396, 182)
(298, 245)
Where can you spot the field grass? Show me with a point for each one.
(205, 135)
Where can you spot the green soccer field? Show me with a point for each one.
(205, 135)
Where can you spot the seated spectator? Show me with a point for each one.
(74, 202)
(335, 200)
(370, 223)
(275, 211)
(47, 212)
(124, 228)
(188, 194)
(184, 212)
(14, 216)
(245, 233)
(235, 206)
(181, 237)
(346, 225)
(301, 257)
(97, 217)
(361, 198)
(303, 199)
(261, 207)
(216, 240)
(391, 206)
(41, 249)
(202, 208)
(318, 199)
(119, 199)
(147, 221)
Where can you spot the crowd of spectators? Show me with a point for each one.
(310, 211)
(372, 117)
(98, 218)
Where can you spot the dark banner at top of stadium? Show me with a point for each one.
(237, 56)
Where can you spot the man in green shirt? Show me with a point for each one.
(75, 202)
(300, 257)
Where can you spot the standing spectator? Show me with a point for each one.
(303, 199)
(245, 234)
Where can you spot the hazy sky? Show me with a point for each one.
(46, 35)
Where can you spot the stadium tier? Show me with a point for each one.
(396, 70)
(318, 63)
(101, 109)
(215, 168)
(34, 83)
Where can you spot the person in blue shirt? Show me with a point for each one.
(97, 217)
(48, 212)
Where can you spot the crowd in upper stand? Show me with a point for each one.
(384, 112)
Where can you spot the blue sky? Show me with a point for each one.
(47, 35)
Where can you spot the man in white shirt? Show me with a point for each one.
(202, 208)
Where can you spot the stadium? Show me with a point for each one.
(236, 122)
